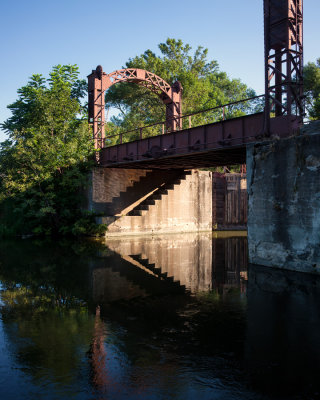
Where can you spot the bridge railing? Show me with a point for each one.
(248, 106)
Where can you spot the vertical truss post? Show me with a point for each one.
(96, 105)
(99, 82)
(283, 23)
(174, 108)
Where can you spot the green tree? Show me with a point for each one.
(312, 88)
(204, 86)
(45, 161)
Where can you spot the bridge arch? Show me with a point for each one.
(99, 82)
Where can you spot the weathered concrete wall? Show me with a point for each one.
(107, 184)
(186, 207)
(284, 203)
(115, 192)
(189, 200)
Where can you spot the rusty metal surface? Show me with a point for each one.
(283, 24)
(220, 143)
(210, 115)
(99, 82)
(96, 105)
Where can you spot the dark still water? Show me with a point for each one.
(172, 317)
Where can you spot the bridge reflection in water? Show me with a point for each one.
(140, 266)
(177, 320)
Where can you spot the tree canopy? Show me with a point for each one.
(312, 88)
(44, 163)
(204, 86)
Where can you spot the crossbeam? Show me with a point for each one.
(99, 82)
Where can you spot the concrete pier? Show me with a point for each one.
(134, 201)
(284, 202)
(152, 201)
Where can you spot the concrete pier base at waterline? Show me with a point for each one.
(284, 202)
(136, 201)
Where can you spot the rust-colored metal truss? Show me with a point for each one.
(96, 105)
(283, 21)
(99, 82)
(218, 144)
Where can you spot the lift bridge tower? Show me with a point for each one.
(283, 24)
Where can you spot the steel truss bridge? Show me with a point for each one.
(177, 142)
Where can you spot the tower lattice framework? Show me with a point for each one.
(283, 24)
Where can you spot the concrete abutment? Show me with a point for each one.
(152, 201)
(284, 202)
(134, 201)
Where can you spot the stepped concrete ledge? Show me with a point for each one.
(173, 201)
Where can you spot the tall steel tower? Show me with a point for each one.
(283, 20)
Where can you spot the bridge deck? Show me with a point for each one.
(220, 143)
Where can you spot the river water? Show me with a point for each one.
(166, 317)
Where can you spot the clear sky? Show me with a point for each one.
(37, 34)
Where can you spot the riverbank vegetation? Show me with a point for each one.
(312, 89)
(44, 164)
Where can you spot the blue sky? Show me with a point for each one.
(37, 34)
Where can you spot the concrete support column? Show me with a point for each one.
(284, 202)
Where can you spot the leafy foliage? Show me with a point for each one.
(312, 88)
(45, 162)
(205, 86)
